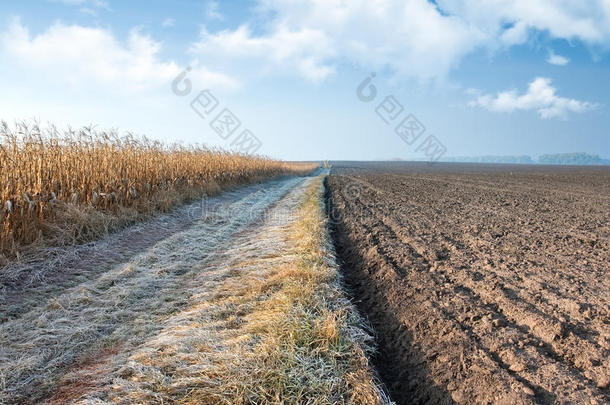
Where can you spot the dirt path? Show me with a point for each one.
(94, 307)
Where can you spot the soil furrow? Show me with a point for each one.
(472, 305)
(514, 272)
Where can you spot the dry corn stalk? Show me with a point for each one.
(43, 170)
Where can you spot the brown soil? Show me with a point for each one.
(485, 284)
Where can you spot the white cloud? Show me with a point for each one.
(516, 34)
(413, 38)
(540, 97)
(558, 60)
(303, 51)
(311, 37)
(212, 11)
(584, 20)
(168, 22)
(95, 56)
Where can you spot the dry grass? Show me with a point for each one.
(61, 188)
(314, 346)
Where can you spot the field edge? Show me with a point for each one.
(312, 343)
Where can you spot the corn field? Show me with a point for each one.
(45, 173)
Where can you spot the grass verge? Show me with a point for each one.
(313, 347)
(306, 342)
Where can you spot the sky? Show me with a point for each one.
(317, 79)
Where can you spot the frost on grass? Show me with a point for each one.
(239, 308)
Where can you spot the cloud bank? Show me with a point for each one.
(412, 38)
(311, 39)
(96, 56)
(540, 97)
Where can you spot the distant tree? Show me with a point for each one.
(576, 158)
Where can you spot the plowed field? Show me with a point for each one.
(484, 284)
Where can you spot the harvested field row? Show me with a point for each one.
(485, 284)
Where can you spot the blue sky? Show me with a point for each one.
(503, 78)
